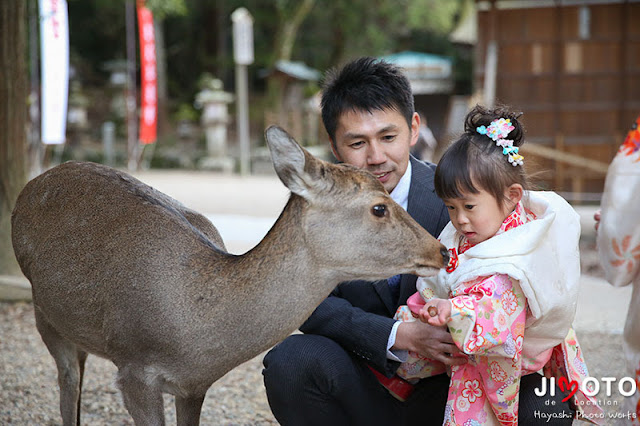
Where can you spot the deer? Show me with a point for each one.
(127, 273)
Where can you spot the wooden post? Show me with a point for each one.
(35, 148)
(557, 122)
(559, 175)
(577, 186)
(491, 59)
(624, 79)
(131, 96)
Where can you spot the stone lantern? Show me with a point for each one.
(213, 101)
(77, 121)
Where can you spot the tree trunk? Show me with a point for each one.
(289, 30)
(285, 40)
(13, 119)
(338, 36)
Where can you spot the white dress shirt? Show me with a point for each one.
(400, 195)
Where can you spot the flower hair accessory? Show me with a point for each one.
(498, 131)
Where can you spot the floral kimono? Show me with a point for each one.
(619, 244)
(513, 302)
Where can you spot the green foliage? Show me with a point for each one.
(338, 30)
(186, 112)
(198, 36)
(437, 16)
(163, 8)
(160, 8)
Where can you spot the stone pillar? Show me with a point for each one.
(215, 117)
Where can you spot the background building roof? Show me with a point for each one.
(427, 73)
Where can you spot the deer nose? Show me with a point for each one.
(445, 256)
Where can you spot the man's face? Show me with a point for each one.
(379, 142)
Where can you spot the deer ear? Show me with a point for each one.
(292, 163)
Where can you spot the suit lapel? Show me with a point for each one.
(407, 288)
(426, 208)
(424, 205)
(382, 288)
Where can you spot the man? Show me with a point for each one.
(341, 371)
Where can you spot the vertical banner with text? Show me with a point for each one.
(148, 75)
(54, 46)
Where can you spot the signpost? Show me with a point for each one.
(243, 56)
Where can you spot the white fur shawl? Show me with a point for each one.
(542, 255)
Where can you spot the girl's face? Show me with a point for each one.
(479, 216)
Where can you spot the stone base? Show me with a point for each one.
(217, 164)
(13, 288)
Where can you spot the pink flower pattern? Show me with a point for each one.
(509, 302)
(497, 373)
(627, 256)
(472, 390)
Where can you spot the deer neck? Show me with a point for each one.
(282, 257)
(280, 273)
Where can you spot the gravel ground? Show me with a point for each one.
(29, 391)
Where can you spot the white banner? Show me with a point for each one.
(54, 53)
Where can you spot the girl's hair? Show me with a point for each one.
(475, 162)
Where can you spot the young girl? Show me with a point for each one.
(509, 293)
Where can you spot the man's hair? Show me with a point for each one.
(365, 84)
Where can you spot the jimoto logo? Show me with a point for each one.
(590, 386)
(602, 389)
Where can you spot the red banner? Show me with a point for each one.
(148, 76)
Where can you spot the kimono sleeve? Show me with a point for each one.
(618, 236)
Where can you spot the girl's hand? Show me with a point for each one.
(436, 312)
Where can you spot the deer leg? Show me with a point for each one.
(188, 410)
(82, 357)
(142, 398)
(70, 363)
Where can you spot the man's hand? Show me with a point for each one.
(429, 341)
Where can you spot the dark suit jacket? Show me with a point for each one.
(359, 314)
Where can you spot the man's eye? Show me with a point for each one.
(389, 138)
(357, 144)
(450, 207)
(468, 206)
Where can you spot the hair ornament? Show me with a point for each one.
(498, 131)
(514, 158)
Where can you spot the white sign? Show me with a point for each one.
(54, 46)
(242, 36)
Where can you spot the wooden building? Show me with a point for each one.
(573, 68)
(432, 83)
(290, 108)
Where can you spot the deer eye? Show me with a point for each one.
(379, 210)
